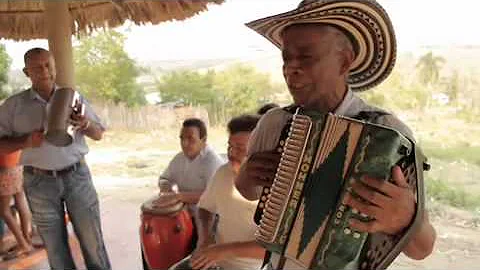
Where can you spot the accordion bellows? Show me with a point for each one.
(303, 216)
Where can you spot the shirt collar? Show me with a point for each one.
(346, 103)
(34, 94)
(202, 153)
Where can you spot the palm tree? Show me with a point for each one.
(429, 68)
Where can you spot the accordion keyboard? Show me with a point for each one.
(283, 184)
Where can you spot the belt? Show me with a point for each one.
(54, 173)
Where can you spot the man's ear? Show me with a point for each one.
(25, 71)
(347, 59)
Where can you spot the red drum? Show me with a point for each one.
(165, 233)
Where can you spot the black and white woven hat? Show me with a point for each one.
(365, 22)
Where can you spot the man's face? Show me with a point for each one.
(312, 66)
(40, 68)
(237, 147)
(191, 142)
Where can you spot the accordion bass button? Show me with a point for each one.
(356, 235)
(347, 231)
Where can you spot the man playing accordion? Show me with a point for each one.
(330, 50)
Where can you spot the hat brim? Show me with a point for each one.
(365, 21)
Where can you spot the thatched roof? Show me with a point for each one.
(24, 19)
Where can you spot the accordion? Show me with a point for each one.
(302, 220)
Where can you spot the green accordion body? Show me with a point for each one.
(304, 219)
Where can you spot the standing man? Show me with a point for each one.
(55, 178)
(234, 246)
(193, 167)
(331, 49)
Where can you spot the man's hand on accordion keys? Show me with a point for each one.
(257, 170)
(391, 206)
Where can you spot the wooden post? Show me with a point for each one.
(59, 23)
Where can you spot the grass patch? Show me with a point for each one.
(470, 154)
(442, 191)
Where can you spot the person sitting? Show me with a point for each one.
(192, 168)
(234, 246)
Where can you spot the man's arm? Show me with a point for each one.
(189, 197)
(421, 244)
(93, 130)
(88, 127)
(8, 145)
(209, 256)
(204, 220)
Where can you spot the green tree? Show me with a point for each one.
(233, 91)
(398, 92)
(191, 87)
(105, 72)
(5, 62)
(241, 89)
(429, 68)
(452, 89)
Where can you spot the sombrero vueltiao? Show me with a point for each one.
(365, 22)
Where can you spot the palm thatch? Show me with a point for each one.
(25, 19)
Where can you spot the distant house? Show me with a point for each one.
(153, 98)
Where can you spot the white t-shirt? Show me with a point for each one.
(235, 215)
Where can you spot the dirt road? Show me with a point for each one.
(457, 247)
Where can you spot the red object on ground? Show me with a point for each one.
(165, 233)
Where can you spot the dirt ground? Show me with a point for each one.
(122, 191)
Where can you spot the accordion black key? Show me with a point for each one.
(303, 220)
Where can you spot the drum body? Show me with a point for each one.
(165, 234)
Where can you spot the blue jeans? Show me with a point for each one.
(48, 196)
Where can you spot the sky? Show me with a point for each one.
(220, 32)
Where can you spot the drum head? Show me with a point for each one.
(166, 204)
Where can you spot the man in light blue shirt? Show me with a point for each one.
(193, 167)
(55, 178)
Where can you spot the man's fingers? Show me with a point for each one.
(370, 210)
(208, 265)
(383, 186)
(369, 194)
(398, 177)
(370, 227)
(266, 158)
(197, 261)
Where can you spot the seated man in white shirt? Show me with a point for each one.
(234, 246)
(192, 168)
